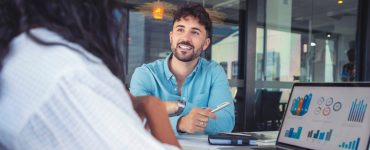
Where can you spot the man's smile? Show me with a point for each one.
(186, 47)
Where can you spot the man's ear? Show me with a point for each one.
(170, 35)
(206, 43)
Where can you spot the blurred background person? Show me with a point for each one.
(348, 70)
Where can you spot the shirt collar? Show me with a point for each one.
(167, 71)
(169, 74)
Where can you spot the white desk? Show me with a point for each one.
(200, 141)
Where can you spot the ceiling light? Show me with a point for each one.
(162, 10)
(158, 10)
(328, 35)
(340, 2)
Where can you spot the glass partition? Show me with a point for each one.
(304, 41)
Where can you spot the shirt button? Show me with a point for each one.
(175, 89)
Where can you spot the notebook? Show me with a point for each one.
(326, 116)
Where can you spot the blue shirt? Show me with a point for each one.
(206, 86)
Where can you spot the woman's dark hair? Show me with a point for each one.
(91, 24)
(9, 23)
(197, 11)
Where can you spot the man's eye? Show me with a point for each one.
(195, 33)
(180, 30)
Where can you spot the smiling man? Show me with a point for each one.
(189, 85)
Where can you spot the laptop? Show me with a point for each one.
(325, 116)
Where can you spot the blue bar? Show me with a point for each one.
(342, 146)
(354, 144)
(293, 110)
(351, 111)
(291, 132)
(310, 133)
(303, 109)
(358, 111)
(306, 103)
(363, 114)
(357, 143)
(362, 111)
(321, 137)
(296, 104)
(328, 135)
(298, 134)
(309, 101)
(316, 134)
(286, 133)
(355, 111)
(351, 145)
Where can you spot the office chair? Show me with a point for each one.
(267, 113)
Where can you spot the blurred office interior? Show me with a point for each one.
(264, 47)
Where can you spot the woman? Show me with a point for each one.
(59, 80)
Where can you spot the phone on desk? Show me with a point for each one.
(221, 106)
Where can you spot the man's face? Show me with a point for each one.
(188, 39)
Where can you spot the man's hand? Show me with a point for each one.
(196, 120)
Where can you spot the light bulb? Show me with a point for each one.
(158, 11)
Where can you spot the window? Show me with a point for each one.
(304, 41)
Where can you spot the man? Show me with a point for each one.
(190, 85)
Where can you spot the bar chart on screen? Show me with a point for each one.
(291, 134)
(301, 104)
(352, 145)
(357, 111)
(320, 135)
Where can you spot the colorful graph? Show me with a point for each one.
(353, 145)
(319, 135)
(357, 112)
(300, 105)
(325, 106)
(291, 134)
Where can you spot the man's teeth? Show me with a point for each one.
(185, 47)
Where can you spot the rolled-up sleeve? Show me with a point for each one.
(220, 92)
(139, 82)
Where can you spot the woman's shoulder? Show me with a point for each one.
(37, 65)
(59, 55)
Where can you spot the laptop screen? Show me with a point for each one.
(327, 116)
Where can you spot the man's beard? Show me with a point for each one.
(186, 58)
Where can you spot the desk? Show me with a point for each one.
(200, 141)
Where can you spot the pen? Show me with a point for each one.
(221, 106)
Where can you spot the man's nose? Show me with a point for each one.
(186, 37)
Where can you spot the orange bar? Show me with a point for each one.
(300, 106)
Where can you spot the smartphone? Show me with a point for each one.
(221, 106)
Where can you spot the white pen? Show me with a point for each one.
(219, 107)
